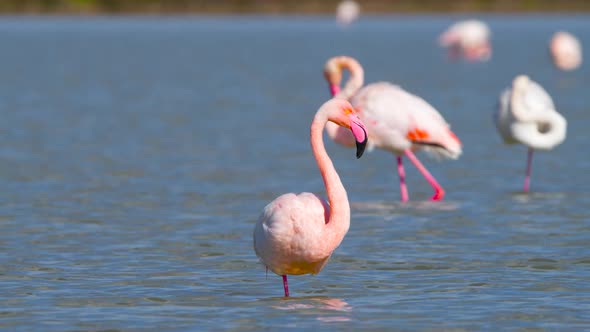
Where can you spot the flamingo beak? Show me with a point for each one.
(334, 89)
(359, 131)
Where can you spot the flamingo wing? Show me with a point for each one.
(535, 100)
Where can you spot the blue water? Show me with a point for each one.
(137, 154)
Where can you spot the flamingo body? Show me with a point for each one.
(296, 234)
(526, 115)
(566, 51)
(297, 246)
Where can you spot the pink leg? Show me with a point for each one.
(527, 179)
(285, 286)
(402, 179)
(439, 192)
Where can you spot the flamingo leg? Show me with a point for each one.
(439, 192)
(285, 285)
(527, 179)
(402, 179)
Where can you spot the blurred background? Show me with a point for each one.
(281, 6)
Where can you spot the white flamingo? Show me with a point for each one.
(527, 115)
(347, 12)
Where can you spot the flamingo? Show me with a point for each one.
(527, 115)
(566, 51)
(296, 234)
(347, 12)
(398, 121)
(469, 39)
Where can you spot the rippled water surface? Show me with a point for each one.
(137, 154)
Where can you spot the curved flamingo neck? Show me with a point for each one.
(339, 205)
(355, 82)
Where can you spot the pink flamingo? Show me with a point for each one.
(566, 51)
(398, 121)
(469, 39)
(296, 234)
(527, 115)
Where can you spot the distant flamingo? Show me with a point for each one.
(527, 115)
(347, 12)
(469, 39)
(398, 121)
(566, 51)
(296, 234)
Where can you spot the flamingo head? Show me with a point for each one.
(448, 38)
(347, 117)
(520, 82)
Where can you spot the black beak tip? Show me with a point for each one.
(360, 148)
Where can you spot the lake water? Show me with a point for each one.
(137, 154)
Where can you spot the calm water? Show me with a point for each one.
(137, 154)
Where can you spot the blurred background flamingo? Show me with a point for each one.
(296, 234)
(469, 39)
(565, 50)
(347, 12)
(398, 121)
(527, 115)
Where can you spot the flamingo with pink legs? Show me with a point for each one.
(397, 121)
(297, 233)
(527, 115)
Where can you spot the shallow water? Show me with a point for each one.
(137, 153)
